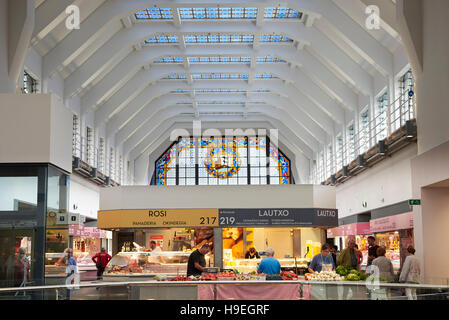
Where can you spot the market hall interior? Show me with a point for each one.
(110, 106)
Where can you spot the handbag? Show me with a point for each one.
(98, 264)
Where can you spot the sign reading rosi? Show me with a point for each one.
(157, 213)
(278, 217)
(147, 218)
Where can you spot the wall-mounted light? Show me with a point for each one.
(360, 161)
(382, 147)
(410, 129)
(345, 171)
(333, 179)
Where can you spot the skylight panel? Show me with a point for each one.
(217, 13)
(270, 59)
(178, 91)
(174, 76)
(163, 39)
(219, 38)
(274, 38)
(221, 102)
(215, 76)
(220, 91)
(220, 59)
(261, 90)
(169, 60)
(154, 14)
(281, 13)
(265, 76)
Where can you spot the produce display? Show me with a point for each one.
(324, 276)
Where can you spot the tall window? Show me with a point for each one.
(90, 146)
(222, 161)
(407, 97)
(350, 154)
(364, 141)
(29, 83)
(101, 155)
(120, 170)
(128, 173)
(381, 117)
(321, 168)
(76, 136)
(112, 163)
(330, 161)
(339, 152)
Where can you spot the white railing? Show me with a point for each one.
(401, 110)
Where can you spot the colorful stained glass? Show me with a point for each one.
(223, 161)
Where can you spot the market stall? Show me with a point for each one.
(358, 231)
(395, 233)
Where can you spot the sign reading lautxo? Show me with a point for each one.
(147, 218)
(278, 217)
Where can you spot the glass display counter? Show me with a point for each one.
(250, 265)
(140, 265)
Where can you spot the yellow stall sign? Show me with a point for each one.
(156, 218)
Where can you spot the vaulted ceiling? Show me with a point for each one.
(140, 68)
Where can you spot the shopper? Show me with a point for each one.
(269, 265)
(154, 247)
(384, 265)
(197, 262)
(372, 250)
(71, 270)
(252, 254)
(411, 272)
(101, 260)
(21, 268)
(321, 259)
(359, 255)
(348, 256)
(334, 251)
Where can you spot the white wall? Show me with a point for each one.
(37, 129)
(84, 197)
(172, 197)
(386, 183)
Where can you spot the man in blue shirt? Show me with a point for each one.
(269, 265)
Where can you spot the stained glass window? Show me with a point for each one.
(222, 161)
(219, 38)
(167, 39)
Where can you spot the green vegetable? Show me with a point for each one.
(352, 277)
(363, 276)
(342, 270)
(353, 271)
(383, 279)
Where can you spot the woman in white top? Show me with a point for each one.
(385, 270)
(411, 272)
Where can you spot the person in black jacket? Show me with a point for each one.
(252, 254)
(334, 251)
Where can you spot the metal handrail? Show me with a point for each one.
(177, 283)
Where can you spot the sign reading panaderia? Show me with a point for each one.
(147, 218)
(278, 217)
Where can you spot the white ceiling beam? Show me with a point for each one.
(361, 41)
(326, 48)
(133, 63)
(132, 125)
(49, 15)
(157, 134)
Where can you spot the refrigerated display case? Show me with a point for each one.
(250, 265)
(55, 264)
(126, 266)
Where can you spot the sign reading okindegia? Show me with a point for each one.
(147, 218)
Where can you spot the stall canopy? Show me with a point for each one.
(349, 230)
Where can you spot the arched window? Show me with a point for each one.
(222, 161)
